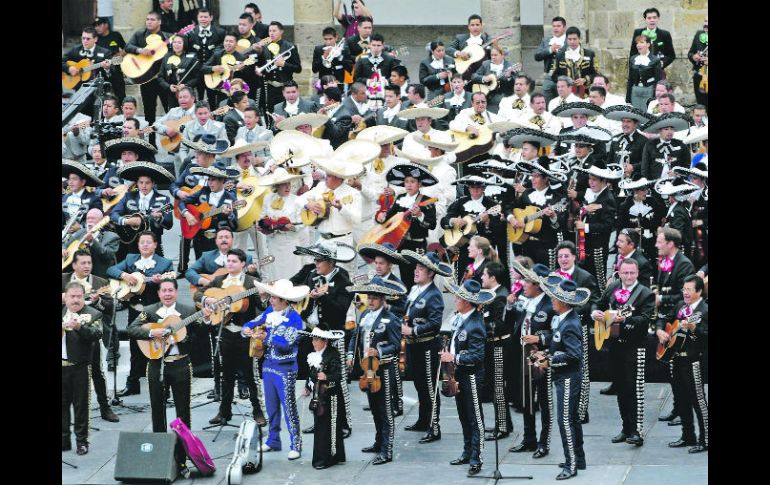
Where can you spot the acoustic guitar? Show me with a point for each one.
(487, 86)
(124, 291)
(477, 53)
(215, 79)
(142, 68)
(530, 216)
(253, 198)
(129, 233)
(82, 243)
(472, 146)
(118, 193)
(459, 236)
(203, 213)
(233, 299)
(84, 66)
(171, 143)
(675, 344)
(223, 271)
(607, 328)
(394, 229)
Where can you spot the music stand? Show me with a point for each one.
(496, 475)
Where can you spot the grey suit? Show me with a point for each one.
(102, 249)
(504, 84)
(544, 54)
(303, 106)
(194, 128)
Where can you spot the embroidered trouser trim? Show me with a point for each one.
(398, 403)
(339, 344)
(585, 386)
(471, 418)
(381, 405)
(567, 391)
(502, 411)
(279, 392)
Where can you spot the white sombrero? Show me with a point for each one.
(295, 148)
(411, 113)
(285, 289)
(242, 146)
(443, 140)
(313, 119)
(505, 126)
(697, 135)
(278, 177)
(382, 134)
(340, 168)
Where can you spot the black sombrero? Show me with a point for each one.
(473, 180)
(208, 144)
(430, 260)
(215, 172)
(143, 149)
(602, 170)
(387, 251)
(156, 172)
(677, 121)
(379, 286)
(700, 170)
(620, 111)
(333, 250)
(564, 290)
(680, 190)
(71, 166)
(519, 136)
(399, 172)
(579, 107)
(541, 166)
(470, 291)
(534, 275)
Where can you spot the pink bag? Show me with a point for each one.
(194, 448)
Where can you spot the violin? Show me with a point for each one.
(370, 381)
(386, 202)
(449, 386)
(402, 353)
(580, 235)
(317, 402)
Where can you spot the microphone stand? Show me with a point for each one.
(496, 475)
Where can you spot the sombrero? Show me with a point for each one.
(278, 177)
(379, 286)
(156, 172)
(242, 146)
(677, 121)
(564, 290)
(284, 289)
(534, 275)
(443, 140)
(382, 134)
(430, 260)
(508, 125)
(340, 168)
(313, 119)
(620, 111)
(387, 251)
(541, 166)
(215, 172)
(412, 113)
(295, 148)
(473, 180)
(470, 291)
(579, 107)
(665, 188)
(697, 135)
(71, 166)
(699, 170)
(208, 144)
(143, 149)
(323, 249)
(636, 182)
(520, 135)
(400, 171)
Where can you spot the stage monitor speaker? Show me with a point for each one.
(146, 458)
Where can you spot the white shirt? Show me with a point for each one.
(464, 120)
(416, 290)
(530, 308)
(558, 318)
(437, 63)
(572, 54)
(221, 259)
(639, 208)
(292, 108)
(642, 60)
(74, 202)
(537, 197)
(474, 40)
(214, 197)
(362, 107)
(234, 280)
(457, 99)
(389, 113)
(144, 201)
(366, 327)
(474, 205)
(496, 68)
(591, 196)
(163, 312)
(558, 40)
(144, 264)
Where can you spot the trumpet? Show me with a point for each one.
(270, 66)
(336, 50)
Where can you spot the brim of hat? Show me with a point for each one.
(602, 173)
(135, 170)
(620, 111)
(220, 146)
(359, 151)
(270, 180)
(691, 171)
(345, 253)
(398, 173)
(508, 125)
(675, 122)
(373, 250)
(667, 189)
(294, 294)
(303, 144)
(480, 298)
(339, 168)
(313, 119)
(213, 173)
(447, 146)
(581, 296)
(442, 269)
(72, 166)
(412, 113)
(525, 273)
(382, 134)
(233, 151)
(627, 184)
(569, 109)
(141, 147)
(522, 135)
(327, 334)
(580, 139)
(427, 162)
(371, 289)
(697, 136)
(476, 180)
(527, 166)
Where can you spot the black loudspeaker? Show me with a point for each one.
(146, 458)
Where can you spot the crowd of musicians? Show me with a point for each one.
(327, 228)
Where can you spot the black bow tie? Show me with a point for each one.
(87, 52)
(205, 32)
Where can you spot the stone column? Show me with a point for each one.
(310, 18)
(129, 16)
(500, 16)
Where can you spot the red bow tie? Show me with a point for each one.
(564, 274)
